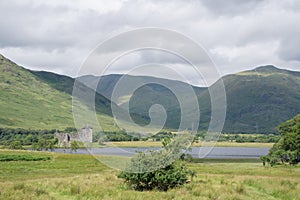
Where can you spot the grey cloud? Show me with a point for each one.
(58, 35)
(48, 27)
(29, 25)
(231, 7)
(289, 49)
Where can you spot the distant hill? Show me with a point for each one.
(257, 100)
(152, 91)
(260, 99)
(40, 100)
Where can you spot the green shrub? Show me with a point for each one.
(16, 144)
(43, 144)
(160, 170)
(287, 149)
(165, 178)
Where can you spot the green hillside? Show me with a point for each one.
(156, 91)
(40, 100)
(260, 99)
(257, 100)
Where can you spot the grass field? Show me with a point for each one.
(158, 144)
(83, 177)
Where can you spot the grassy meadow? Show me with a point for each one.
(70, 176)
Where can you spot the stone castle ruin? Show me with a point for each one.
(85, 134)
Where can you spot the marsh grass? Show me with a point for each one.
(23, 157)
(19, 186)
(83, 177)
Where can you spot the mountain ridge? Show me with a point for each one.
(257, 100)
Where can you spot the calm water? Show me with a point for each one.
(197, 152)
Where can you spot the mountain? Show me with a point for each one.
(41, 100)
(259, 100)
(152, 91)
(108, 82)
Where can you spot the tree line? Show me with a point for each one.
(44, 139)
(17, 138)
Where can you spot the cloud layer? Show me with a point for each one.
(238, 35)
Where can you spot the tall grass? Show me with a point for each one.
(22, 157)
(83, 177)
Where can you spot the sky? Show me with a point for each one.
(237, 35)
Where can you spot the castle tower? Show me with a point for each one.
(86, 134)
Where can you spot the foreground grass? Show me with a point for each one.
(83, 177)
(158, 144)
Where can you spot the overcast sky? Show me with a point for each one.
(58, 35)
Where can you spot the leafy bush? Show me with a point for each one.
(45, 144)
(16, 144)
(287, 149)
(160, 170)
(173, 175)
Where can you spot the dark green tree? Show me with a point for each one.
(287, 149)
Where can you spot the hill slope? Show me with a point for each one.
(40, 100)
(259, 100)
(152, 91)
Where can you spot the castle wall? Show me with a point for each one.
(84, 135)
